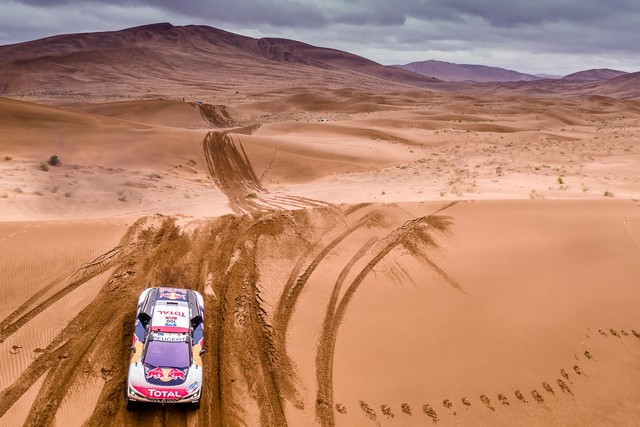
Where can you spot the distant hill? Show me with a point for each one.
(161, 59)
(450, 72)
(625, 86)
(548, 76)
(595, 74)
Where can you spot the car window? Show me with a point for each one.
(167, 354)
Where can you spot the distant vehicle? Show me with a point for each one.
(200, 101)
(166, 355)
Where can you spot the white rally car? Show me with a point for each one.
(166, 358)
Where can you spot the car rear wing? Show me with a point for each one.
(146, 311)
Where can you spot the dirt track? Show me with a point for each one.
(224, 259)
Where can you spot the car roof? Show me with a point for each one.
(170, 316)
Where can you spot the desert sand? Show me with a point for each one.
(369, 255)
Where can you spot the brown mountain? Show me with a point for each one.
(182, 60)
(450, 72)
(595, 74)
(626, 86)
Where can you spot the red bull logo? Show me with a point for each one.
(165, 374)
(176, 374)
(173, 295)
(156, 373)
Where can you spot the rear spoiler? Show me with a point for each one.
(146, 312)
(195, 310)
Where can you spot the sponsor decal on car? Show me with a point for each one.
(173, 294)
(159, 336)
(172, 313)
(165, 374)
(192, 387)
(161, 393)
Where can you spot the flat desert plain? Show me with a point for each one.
(395, 257)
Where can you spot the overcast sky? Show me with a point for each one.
(534, 36)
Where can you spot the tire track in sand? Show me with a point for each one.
(231, 171)
(294, 287)
(245, 364)
(19, 317)
(415, 236)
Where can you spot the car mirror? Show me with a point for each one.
(201, 352)
(133, 349)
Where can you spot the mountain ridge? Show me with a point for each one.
(451, 72)
(181, 57)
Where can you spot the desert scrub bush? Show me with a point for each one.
(54, 160)
(608, 194)
(67, 194)
(560, 180)
(44, 167)
(8, 157)
(252, 196)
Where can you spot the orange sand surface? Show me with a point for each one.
(370, 255)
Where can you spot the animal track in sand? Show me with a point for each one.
(484, 399)
(430, 412)
(449, 405)
(386, 410)
(547, 388)
(369, 412)
(537, 397)
(520, 396)
(503, 399)
(563, 386)
(406, 409)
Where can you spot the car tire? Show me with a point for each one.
(195, 405)
(131, 405)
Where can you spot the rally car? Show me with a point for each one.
(166, 354)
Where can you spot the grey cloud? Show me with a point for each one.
(583, 30)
